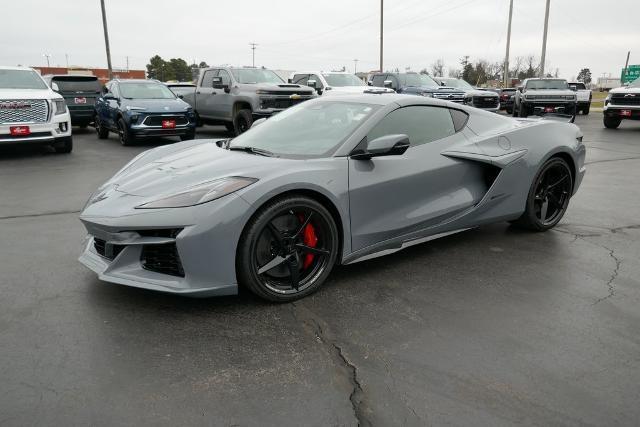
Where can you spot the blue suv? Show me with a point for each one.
(142, 109)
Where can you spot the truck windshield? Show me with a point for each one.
(255, 75)
(417, 80)
(458, 84)
(578, 85)
(310, 129)
(547, 84)
(635, 83)
(145, 91)
(340, 80)
(77, 84)
(21, 79)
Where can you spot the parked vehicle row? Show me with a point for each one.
(483, 99)
(31, 112)
(332, 83)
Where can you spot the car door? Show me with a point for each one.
(107, 109)
(405, 194)
(222, 104)
(205, 95)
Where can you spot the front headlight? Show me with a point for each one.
(571, 97)
(199, 194)
(130, 108)
(427, 94)
(60, 106)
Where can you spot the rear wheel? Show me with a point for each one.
(548, 197)
(230, 127)
(612, 122)
(242, 121)
(123, 132)
(288, 249)
(103, 132)
(188, 136)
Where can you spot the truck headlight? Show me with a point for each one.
(199, 194)
(570, 97)
(427, 94)
(60, 106)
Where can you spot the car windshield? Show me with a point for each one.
(417, 80)
(144, 90)
(310, 129)
(458, 84)
(182, 89)
(255, 75)
(635, 83)
(77, 84)
(339, 80)
(21, 79)
(547, 84)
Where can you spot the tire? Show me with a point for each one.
(514, 112)
(242, 121)
(275, 234)
(522, 111)
(552, 186)
(63, 145)
(585, 111)
(508, 110)
(103, 133)
(126, 138)
(190, 135)
(611, 122)
(230, 127)
(83, 125)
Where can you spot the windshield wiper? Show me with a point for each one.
(252, 150)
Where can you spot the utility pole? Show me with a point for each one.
(66, 57)
(381, 35)
(106, 39)
(506, 57)
(253, 48)
(626, 66)
(355, 66)
(47, 55)
(544, 39)
(127, 64)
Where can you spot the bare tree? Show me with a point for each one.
(437, 68)
(454, 73)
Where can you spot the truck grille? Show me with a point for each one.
(279, 103)
(162, 258)
(453, 97)
(24, 111)
(486, 101)
(157, 120)
(622, 99)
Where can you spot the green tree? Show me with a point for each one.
(180, 68)
(585, 76)
(155, 67)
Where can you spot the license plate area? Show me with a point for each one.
(20, 130)
(625, 113)
(168, 124)
(549, 109)
(80, 100)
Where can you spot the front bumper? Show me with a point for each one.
(617, 111)
(539, 107)
(205, 245)
(41, 133)
(143, 130)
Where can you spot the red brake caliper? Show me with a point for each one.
(310, 239)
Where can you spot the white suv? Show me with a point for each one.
(31, 112)
(583, 95)
(333, 83)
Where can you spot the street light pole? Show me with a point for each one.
(47, 55)
(106, 39)
(544, 39)
(253, 55)
(355, 66)
(381, 36)
(506, 57)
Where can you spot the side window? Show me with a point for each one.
(319, 84)
(378, 80)
(422, 124)
(226, 79)
(300, 79)
(459, 119)
(207, 79)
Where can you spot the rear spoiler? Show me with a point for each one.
(568, 118)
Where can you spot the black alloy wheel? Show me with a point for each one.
(124, 134)
(242, 121)
(288, 249)
(103, 133)
(548, 197)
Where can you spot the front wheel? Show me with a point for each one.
(63, 145)
(288, 249)
(585, 111)
(522, 111)
(103, 132)
(242, 121)
(123, 132)
(612, 122)
(548, 197)
(188, 136)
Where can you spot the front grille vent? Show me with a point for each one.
(24, 111)
(162, 258)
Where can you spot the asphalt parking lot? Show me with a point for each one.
(493, 326)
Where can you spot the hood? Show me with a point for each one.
(173, 168)
(28, 94)
(157, 105)
(480, 92)
(549, 92)
(354, 89)
(442, 89)
(281, 87)
(625, 89)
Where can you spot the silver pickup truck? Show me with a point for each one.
(235, 97)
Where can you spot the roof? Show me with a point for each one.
(71, 75)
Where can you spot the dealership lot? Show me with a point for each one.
(491, 326)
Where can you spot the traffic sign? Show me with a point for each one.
(632, 73)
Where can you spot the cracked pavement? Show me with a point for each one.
(493, 326)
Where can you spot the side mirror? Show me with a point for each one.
(573, 88)
(442, 84)
(388, 145)
(180, 96)
(388, 84)
(520, 89)
(55, 87)
(312, 83)
(369, 83)
(259, 122)
(217, 84)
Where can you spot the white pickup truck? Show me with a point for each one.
(31, 112)
(583, 95)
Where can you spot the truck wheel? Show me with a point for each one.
(230, 127)
(188, 136)
(63, 145)
(123, 131)
(103, 133)
(612, 122)
(514, 112)
(585, 111)
(242, 121)
(522, 111)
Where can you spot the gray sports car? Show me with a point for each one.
(332, 180)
